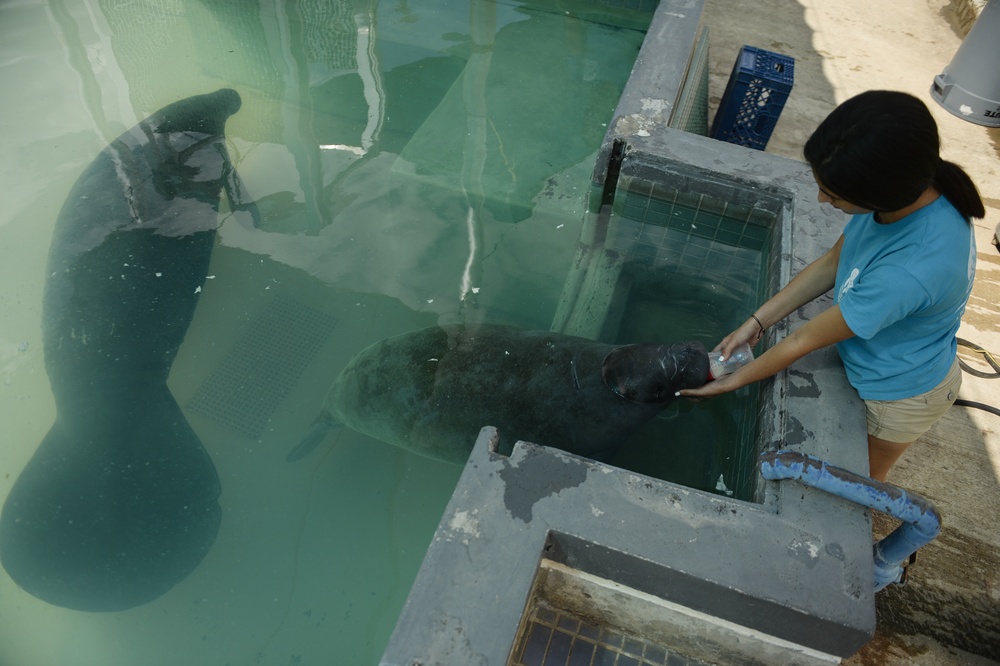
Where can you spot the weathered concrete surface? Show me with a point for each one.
(796, 574)
(949, 612)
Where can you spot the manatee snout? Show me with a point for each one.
(651, 373)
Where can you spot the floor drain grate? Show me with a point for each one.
(558, 638)
(263, 366)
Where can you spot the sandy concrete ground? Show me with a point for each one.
(949, 611)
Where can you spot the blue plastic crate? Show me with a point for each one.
(754, 97)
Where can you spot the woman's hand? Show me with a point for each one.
(750, 332)
(710, 390)
(825, 329)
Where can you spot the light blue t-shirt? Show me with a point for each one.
(902, 289)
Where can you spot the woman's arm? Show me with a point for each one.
(812, 282)
(823, 330)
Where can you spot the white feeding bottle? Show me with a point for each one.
(719, 368)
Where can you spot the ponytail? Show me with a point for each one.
(952, 181)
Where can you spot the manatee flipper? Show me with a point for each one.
(239, 200)
(318, 431)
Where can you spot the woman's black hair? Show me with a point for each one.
(880, 150)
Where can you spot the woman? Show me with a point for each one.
(902, 271)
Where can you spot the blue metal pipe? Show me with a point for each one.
(921, 521)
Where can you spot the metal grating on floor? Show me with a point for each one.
(557, 638)
(263, 366)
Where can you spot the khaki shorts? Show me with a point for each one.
(903, 421)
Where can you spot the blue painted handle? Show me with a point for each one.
(921, 521)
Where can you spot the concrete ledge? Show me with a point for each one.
(805, 582)
(699, 636)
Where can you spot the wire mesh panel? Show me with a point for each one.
(705, 239)
(263, 366)
(703, 261)
(691, 110)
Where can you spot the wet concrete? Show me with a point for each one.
(949, 611)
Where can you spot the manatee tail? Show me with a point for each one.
(318, 431)
(77, 536)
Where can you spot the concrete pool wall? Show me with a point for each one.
(710, 579)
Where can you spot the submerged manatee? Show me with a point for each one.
(430, 391)
(120, 500)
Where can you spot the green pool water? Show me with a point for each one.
(412, 163)
(695, 264)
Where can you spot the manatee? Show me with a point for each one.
(120, 500)
(430, 391)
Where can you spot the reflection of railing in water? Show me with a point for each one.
(287, 50)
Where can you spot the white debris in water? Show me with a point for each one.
(597, 512)
(209, 277)
(560, 226)
(721, 486)
(429, 301)
(432, 360)
(475, 290)
(198, 290)
(158, 274)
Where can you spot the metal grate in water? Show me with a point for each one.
(263, 366)
(557, 638)
(707, 238)
(718, 246)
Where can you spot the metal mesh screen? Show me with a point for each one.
(685, 232)
(691, 114)
(263, 366)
